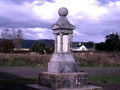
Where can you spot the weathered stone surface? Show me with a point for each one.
(39, 87)
(63, 80)
(62, 63)
(62, 60)
(63, 11)
(62, 67)
(88, 87)
(63, 22)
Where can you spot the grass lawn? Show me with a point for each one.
(111, 79)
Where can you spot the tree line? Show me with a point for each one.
(42, 48)
(112, 43)
(10, 39)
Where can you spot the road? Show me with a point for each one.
(24, 72)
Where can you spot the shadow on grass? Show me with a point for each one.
(107, 86)
(13, 82)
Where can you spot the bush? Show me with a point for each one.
(6, 46)
(42, 48)
(39, 47)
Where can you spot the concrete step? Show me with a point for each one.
(39, 87)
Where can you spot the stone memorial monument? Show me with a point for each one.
(62, 68)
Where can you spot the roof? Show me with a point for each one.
(87, 45)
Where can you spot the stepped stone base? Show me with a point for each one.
(65, 80)
(39, 87)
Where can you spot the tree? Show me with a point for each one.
(39, 47)
(18, 39)
(7, 45)
(112, 43)
(50, 49)
(6, 34)
(42, 48)
(12, 38)
(100, 46)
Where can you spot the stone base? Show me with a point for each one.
(62, 63)
(66, 81)
(88, 87)
(39, 87)
(63, 80)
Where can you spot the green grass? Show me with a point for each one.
(111, 79)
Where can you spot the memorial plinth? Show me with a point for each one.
(63, 80)
(62, 68)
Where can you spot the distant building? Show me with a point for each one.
(83, 47)
(21, 50)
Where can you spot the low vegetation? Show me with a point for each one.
(111, 79)
(98, 59)
(89, 59)
(24, 60)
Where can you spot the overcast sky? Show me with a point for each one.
(93, 19)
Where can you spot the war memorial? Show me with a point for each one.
(63, 73)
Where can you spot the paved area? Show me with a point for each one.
(23, 72)
(101, 71)
(6, 73)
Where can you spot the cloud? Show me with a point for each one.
(37, 33)
(78, 9)
(93, 18)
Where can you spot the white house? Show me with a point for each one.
(83, 47)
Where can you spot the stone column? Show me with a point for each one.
(55, 43)
(61, 42)
(69, 42)
(63, 61)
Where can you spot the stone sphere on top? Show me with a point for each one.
(63, 11)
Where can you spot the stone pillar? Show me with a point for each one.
(69, 43)
(62, 68)
(56, 43)
(62, 61)
(61, 42)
